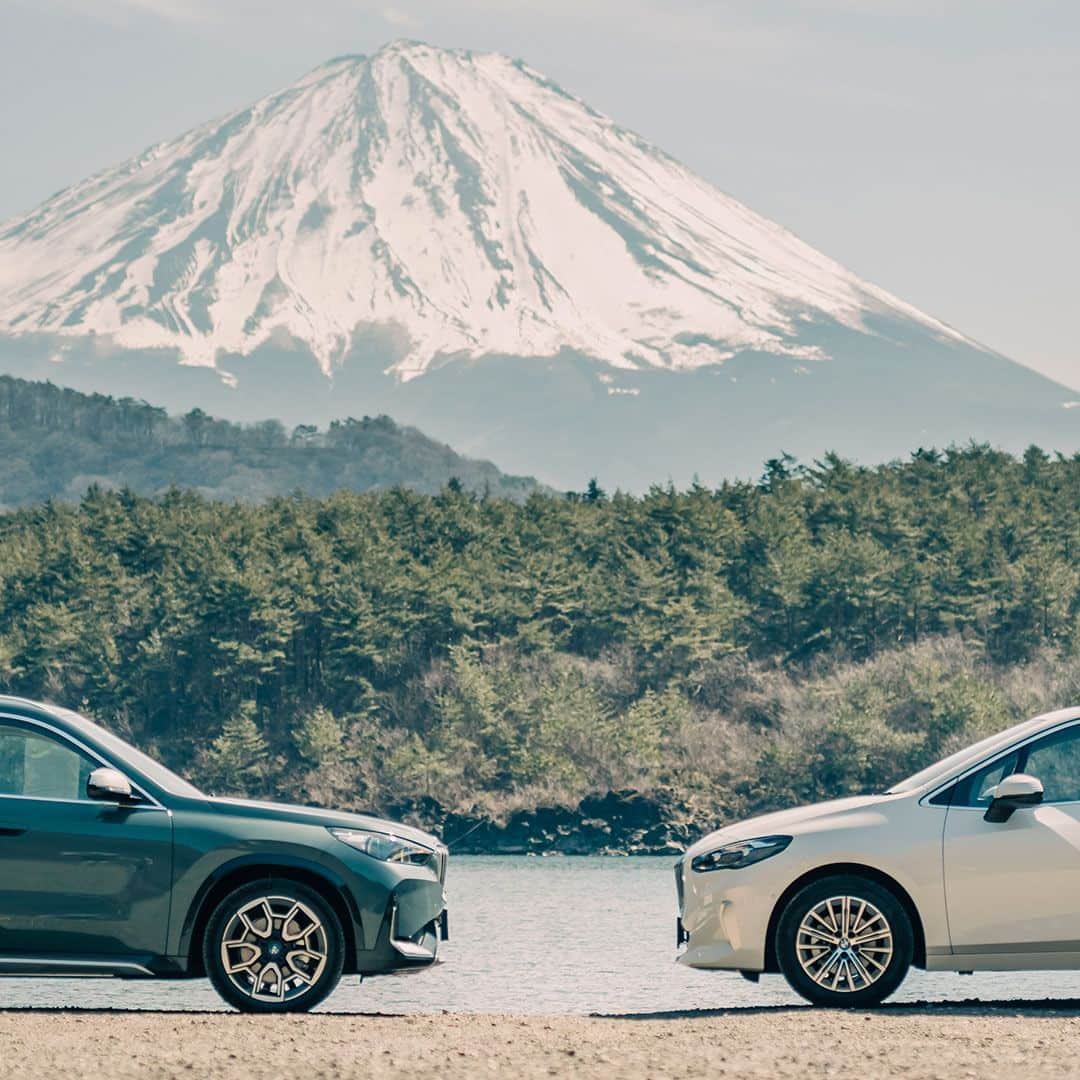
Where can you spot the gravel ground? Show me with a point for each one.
(928, 1041)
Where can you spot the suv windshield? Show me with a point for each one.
(970, 755)
(153, 770)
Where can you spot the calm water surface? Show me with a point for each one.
(558, 935)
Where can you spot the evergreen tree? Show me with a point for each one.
(239, 758)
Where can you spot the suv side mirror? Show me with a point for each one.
(1012, 794)
(110, 785)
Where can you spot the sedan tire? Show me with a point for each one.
(274, 946)
(844, 941)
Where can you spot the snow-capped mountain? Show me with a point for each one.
(462, 198)
(419, 209)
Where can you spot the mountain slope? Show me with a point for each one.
(55, 443)
(426, 212)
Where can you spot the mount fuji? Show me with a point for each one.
(451, 238)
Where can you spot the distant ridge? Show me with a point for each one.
(56, 443)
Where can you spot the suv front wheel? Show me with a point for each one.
(844, 941)
(274, 946)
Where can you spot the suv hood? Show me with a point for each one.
(313, 815)
(816, 817)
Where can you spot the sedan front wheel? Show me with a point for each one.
(844, 941)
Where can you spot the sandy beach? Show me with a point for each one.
(908, 1041)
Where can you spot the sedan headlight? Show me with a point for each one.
(739, 854)
(386, 847)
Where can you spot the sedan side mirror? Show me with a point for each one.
(110, 785)
(1012, 794)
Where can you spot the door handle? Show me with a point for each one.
(11, 830)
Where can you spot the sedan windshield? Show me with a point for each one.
(956, 763)
(153, 770)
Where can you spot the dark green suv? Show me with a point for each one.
(111, 864)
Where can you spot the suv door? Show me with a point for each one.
(1011, 888)
(78, 877)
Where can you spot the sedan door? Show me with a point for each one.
(1012, 889)
(78, 877)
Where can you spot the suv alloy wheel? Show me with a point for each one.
(274, 946)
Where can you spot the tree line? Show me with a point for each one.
(823, 630)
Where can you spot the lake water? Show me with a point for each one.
(556, 935)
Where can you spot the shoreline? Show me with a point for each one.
(619, 823)
(914, 1041)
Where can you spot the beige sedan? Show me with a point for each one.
(970, 865)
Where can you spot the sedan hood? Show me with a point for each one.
(818, 816)
(313, 815)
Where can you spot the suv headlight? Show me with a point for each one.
(385, 846)
(739, 854)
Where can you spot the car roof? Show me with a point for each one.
(20, 705)
(55, 715)
(1059, 716)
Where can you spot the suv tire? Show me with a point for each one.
(274, 946)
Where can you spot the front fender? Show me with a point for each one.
(193, 897)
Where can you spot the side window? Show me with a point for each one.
(1056, 762)
(39, 766)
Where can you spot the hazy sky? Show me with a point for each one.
(930, 146)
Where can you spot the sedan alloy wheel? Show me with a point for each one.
(845, 941)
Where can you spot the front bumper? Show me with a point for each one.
(414, 922)
(724, 916)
